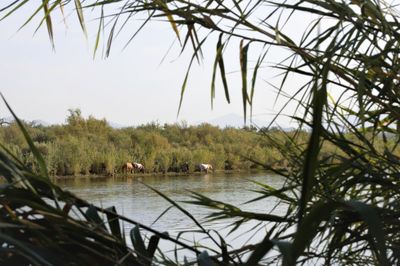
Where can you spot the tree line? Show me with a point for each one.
(90, 146)
(84, 146)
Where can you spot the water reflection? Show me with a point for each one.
(136, 201)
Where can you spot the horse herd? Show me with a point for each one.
(133, 167)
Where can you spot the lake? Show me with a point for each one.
(138, 202)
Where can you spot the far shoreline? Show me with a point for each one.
(144, 175)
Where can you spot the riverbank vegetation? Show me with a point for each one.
(85, 146)
(89, 146)
(342, 208)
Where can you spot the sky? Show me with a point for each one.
(133, 86)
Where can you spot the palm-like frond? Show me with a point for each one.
(343, 204)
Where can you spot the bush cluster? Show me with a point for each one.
(84, 146)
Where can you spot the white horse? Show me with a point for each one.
(205, 167)
(139, 167)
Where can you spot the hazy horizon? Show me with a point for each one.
(228, 120)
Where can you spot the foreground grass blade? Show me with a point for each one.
(113, 222)
(261, 250)
(311, 160)
(369, 215)
(35, 151)
(243, 67)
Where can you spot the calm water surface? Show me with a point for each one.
(141, 204)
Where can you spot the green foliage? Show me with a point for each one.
(89, 146)
(43, 225)
(341, 189)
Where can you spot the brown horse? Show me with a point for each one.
(127, 167)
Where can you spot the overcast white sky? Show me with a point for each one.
(129, 88)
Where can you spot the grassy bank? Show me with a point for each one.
(89, 146)
(140, 175)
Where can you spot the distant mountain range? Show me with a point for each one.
(36, 122)
(229, 120)
(115, 125)
(234, 120)
(40, 123)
